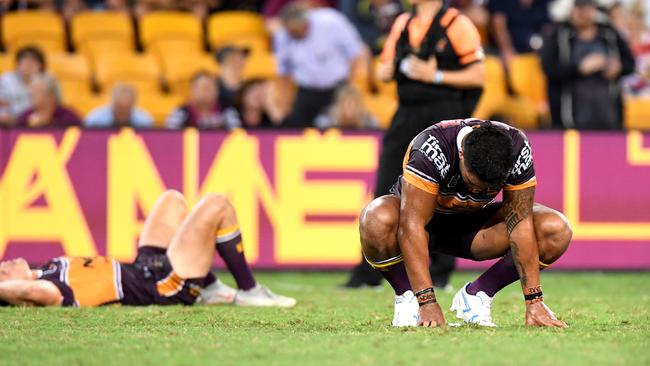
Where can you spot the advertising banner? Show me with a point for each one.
(86, 192)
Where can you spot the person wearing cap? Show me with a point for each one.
(584, 62)
(232, 60)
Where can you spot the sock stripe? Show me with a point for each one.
(384, 263)
(228, 236)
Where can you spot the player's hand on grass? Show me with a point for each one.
(539, 315)
(430, 315)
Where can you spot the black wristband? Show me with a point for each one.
(431, 301)
(426, 296)
(534, 296)
(424, 291)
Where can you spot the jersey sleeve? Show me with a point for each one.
(388, 53)
(466, 40)
(425, 164)
(522, 174)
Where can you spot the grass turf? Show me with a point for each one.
(608, 315)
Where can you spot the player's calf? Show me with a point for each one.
(553, 233)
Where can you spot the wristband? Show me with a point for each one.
(426, 296)
(534, 296)
(438, 77)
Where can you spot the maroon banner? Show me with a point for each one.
(86, 192)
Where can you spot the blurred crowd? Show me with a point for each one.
(593, 53)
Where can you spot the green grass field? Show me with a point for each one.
(608, 314)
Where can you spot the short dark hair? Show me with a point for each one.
(31, 51)
(489, 153)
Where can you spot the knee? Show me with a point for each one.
(377, 225)
(175, 199)
(554, 235)
(216, 202)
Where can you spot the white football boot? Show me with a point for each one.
(473, 309)
(406, 310)
(216, 294)
(262, 296)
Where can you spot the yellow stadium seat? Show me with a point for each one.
(228, 26)
(528, 80)
(159, 106)
(179, 69)
(141, 71)
(100, 30)
(495, 91)
(6, 62)
(72, 72)
(85, 102)
(177, 27)
(43, 29)
(260, 66)
(382, 107)
(637, 113)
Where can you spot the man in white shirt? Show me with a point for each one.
(121, 112)
(15, 97)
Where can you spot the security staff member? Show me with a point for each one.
(435, 56)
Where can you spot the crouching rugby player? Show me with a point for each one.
(444, 202)
(175, 254)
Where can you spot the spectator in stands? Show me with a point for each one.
(254, 107)
(122, 111)
(518, 26)
(638, 34)
(70, 7)
(347, 112)
(12, 5)
(317, 49)
(232, 60)
(14, 85)
(203, 109)
(46, 110)
(584, 62)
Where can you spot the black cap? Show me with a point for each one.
(585, 2)
(224, 51)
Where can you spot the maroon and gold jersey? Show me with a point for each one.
(89, 281)
(432, 160)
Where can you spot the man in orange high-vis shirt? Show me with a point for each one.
(175, 254)
(445, 202)
(435, 56)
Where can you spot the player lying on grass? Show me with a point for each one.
(445, 202)
(175, 253)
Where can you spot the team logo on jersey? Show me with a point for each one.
(453, 181)
(524, 160)
(431, 149)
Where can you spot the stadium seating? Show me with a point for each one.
(73, 74)
(169, 31)
(495, 92)
(637, 113)
(142, 71)
(179, 68)
(243, 28)
(6, 62)
(40, 28)
(99, 33)
(381, 106)
(528, 80)
(159, 106)
(260, 66)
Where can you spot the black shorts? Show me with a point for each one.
(150, 280)
(453, 233)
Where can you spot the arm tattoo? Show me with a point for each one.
(517, 206)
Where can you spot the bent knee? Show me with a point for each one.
(378, 225)
(554, 235)
(174, 198)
